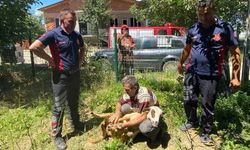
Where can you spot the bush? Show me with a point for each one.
(233, 120)
(94, 73)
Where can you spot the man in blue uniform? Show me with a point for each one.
(67, 50)
(207, 42)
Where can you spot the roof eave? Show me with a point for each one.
(49, 6)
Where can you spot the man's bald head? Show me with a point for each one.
(205, 12)
(205, 3)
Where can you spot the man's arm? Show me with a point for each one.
(117, 115)
(135, 121)
(82, 55)
(235, 54)
(132, 46)
(38, 48)
(184, 56)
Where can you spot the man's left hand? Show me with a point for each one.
(235, 84)
(124, 125)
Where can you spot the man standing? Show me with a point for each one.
(67, 50)
(206, 45)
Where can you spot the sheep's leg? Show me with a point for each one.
(103, 126)
(104, 115)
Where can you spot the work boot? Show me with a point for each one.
(189, 125)
(205, 139)
(60, 143)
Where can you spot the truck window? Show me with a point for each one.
(149, 44)
(137, 43)
(176, 32)
(162, 32)
(177, 44)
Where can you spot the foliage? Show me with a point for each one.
(17, 85)
(245, 87)
(13, 18)
(95, 72)
(183, 12)
(96, 13)
(27, 127)
(7, 54)
(18, 123)
(35, 28)
(116, 145)
(232, 120)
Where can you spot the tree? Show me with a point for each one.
(183, 12)
(14, 14)
(35, 28)
(96, 13)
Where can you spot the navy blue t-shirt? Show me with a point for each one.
(209, 46)
(64, 47)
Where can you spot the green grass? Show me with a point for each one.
(25, 110)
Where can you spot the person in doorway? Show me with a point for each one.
(125, 53)
(206, 45)
(67, 50)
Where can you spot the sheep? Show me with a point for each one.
(115, 130)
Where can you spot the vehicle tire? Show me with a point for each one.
(170, 66)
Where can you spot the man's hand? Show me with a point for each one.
(184, 56)
(119, 56)
(124, 125)
(235, 84)
(114, 118)
(51, 63)
(180, 69)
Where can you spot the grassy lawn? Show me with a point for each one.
(25, 112)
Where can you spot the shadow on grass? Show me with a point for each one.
(19, 88)
(86, 126)
(162, 138)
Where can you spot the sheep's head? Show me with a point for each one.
(154, 115)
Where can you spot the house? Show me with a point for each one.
(120, 13)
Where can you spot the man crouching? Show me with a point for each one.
(137, 99)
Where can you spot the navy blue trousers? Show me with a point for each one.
(204, 86)
(66, 90)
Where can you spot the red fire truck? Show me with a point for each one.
(136, 32)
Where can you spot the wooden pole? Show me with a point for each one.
(32, 57)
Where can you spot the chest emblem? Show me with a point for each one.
(216, 37)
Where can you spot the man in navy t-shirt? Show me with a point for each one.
(207, 42)
(67, 53)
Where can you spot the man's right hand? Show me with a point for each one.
(180, 69)
(119, 56)
(114, 118)
(51, 63)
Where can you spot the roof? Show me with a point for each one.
(61, 2)
(50, 6)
